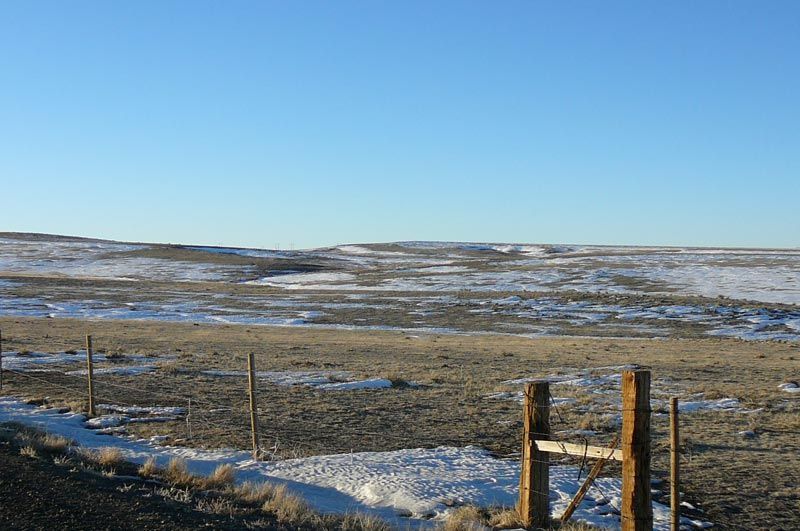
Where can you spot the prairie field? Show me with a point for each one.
(386, 369)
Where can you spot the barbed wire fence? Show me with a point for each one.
(203, 421)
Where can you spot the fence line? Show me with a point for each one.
(635, 512)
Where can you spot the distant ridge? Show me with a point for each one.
(40, 236)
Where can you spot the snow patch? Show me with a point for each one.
(790, 387)
(305, 280)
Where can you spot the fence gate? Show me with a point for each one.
(534, 486)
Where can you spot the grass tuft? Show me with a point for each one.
(178, 474)
(222, 477)
(29, 451)
(362, 522)
(149, 469)
(506, 519)
(254, 493)
(467, 518)
(217, 506)
(108, 457)
(288, 508)
(54, 444)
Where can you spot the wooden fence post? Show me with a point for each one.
(90, 373)
(534, 482)
(251, 376)
(674, 471)
(637, 509)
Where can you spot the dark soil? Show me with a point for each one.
(38, 494)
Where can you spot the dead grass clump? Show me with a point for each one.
(63, 460)
(43, 443)
(288, 508)
(506, 519)
(107, 457)
(178, 474)
(149, 469)
(54, 444)
(217, 505)
(29, 451)
(362, 522)
(175, 494)
(222, 477)
(259, 523)
(466, 518)
(254, 493)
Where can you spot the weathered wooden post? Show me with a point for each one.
(534, 483)
(674, 470)
(1, 360)
(251, 376)
(90, 374)
(637, 509)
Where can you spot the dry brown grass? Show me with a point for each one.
(41, 442)
(254, 493)
(55, 444)
(149, 469)
(719, 476)
(470, 518)
(467, 518)
(506, 519)
(223, 477)
(63, 460)
(288, 508)
(362, 522)
(219, 505)
(108, 457)
(29, 451)
(177, 473)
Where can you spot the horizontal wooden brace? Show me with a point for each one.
(595, 452)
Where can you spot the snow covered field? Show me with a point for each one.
(444, 287)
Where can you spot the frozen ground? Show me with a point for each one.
(412, 486)
(322, 380)
(521, 289)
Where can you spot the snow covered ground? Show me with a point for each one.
(322, 380)
(414, 487)
(103, 260)
(524, 289)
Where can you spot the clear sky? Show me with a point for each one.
(316, 123)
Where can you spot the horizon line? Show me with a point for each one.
(395, 242)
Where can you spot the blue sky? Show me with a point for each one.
(316, 123)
